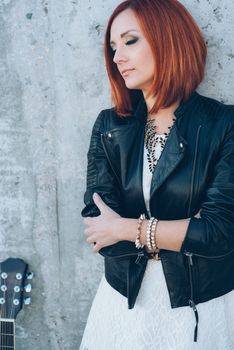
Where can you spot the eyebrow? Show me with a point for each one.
(123, 34)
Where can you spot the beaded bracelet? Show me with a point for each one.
(156, 249)
(148, 233)
(138, 243)
(152, 234)
(155, 238)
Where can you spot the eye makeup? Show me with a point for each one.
(129, 42)
(132, 41)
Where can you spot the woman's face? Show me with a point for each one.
(132, 51)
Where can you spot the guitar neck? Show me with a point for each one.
(7, 334)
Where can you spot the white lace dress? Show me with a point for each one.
(152, 323)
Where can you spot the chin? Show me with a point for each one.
(132, 86)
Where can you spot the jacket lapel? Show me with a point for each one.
(171, 156)
(172, 153)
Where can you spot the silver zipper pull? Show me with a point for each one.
(192, 305)
(190, 258)
(139, 256)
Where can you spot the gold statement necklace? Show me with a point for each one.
(152, 139)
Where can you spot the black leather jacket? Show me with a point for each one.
(195, 171)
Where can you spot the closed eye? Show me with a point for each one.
(129, 42)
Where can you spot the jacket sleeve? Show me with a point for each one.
(100, 177)
(212, 235)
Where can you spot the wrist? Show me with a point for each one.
(127, 229)
(143, 232)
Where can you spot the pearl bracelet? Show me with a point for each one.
(151, 238)
(153, 234)
(148, 233)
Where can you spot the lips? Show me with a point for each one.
(126, 70)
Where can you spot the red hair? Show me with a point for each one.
(178, 48)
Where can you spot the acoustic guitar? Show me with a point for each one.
(14, 293)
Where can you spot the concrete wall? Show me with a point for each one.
(53, 84)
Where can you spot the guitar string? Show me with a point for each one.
(4, 311)
(11, 315)
(4, 323)
(1, 316)
(4, 315)
(7, 326)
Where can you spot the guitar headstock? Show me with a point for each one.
(14, 287)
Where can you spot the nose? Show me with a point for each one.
(119, 57)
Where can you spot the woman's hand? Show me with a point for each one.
(102, 229)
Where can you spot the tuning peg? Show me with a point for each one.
(19, 276)
(30, 275)
(28, 288)
(4, 275)
(16, 302)
(27, 301)
(3, 288)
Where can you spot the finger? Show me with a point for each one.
(99, 202)
(86, 220)
(96, 247)
(88, 231)
(90, 221)
(90, 239)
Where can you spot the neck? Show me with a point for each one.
(7, 334)
(163, 113)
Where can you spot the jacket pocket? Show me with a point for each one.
(123, 255)
(193, 300)
(215, 275)
(193, 278)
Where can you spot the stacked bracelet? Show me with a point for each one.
(153, 234)
(155, 237)
(151, 240)
(138, 243)
(149, 233)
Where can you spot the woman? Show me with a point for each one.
(159, 204)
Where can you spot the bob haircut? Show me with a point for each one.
(178, 48)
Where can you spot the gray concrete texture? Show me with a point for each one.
(53, 84)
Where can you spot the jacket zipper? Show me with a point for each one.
(208, 257)
(107, 156)
(190, 260)
(191, 300)
(139, 256)
(193, 170)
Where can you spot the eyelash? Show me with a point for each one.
(129, 42)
